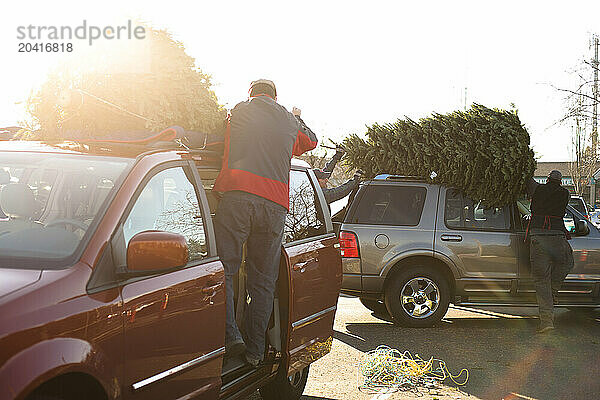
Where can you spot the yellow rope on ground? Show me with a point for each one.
(387, 368)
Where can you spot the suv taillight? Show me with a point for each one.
(348, 244)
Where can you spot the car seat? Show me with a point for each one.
(19, 205)
(494, 218)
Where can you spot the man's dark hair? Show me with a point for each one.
(555, 176)
(262, 88)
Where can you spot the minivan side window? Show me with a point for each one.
(464, 213)
(391, 205)
(168, 203)
(304, 218)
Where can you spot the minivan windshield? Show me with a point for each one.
(48, 203)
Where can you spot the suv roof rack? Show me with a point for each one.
(390, 177)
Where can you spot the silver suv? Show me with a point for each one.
(410, 248)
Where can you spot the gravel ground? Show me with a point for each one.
(499, 347)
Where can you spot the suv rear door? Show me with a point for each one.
(315, 276)
(391, 220)
(480, 241)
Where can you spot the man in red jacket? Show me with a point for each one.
(261, 138)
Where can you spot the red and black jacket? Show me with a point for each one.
(261, 138)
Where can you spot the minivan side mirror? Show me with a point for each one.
(581, 228)
(156, 251)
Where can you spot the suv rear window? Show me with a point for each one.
(391, 205)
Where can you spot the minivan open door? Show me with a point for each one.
(314, 273)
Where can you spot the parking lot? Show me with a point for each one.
(499, 347)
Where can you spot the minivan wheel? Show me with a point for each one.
(417, 296)
(377, 306)
(286, 387)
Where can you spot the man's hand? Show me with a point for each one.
(296, 111)
(358, 174)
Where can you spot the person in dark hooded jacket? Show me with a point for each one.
(338, 192)
(550, 254)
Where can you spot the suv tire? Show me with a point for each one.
(377, 306)
(417, 296)
(286, 387)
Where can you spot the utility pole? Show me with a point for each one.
(595, 105)
(595, 115)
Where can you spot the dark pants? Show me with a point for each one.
(551, 260)
(243, 217)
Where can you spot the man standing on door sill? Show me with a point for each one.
(261, 138)
(550, 253)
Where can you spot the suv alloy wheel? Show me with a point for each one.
(417, 296)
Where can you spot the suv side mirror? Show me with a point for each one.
(582, 228)
(155, 251)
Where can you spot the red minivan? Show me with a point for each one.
(111, 288)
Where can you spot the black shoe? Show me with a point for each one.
(235, 348)
(254, 362)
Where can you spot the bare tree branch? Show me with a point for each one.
(576, 93)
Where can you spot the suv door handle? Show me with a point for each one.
(452, 238)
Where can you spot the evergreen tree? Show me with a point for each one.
(484, 152)
(149, 84)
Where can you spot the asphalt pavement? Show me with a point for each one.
(506, 359)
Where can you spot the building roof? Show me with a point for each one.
(544, 168)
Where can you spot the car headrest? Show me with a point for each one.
(4, 177)
(18, 201)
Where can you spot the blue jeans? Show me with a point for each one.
(243, 217)
(551, 259)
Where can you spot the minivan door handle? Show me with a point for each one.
(301, 265)
(212, 288)
(452, 238)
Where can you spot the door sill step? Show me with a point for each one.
(516, 304)
(233, 367)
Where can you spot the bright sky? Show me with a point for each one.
(347, 64)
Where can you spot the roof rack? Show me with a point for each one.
(403, 178)
(171, 138)
(134, 149)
